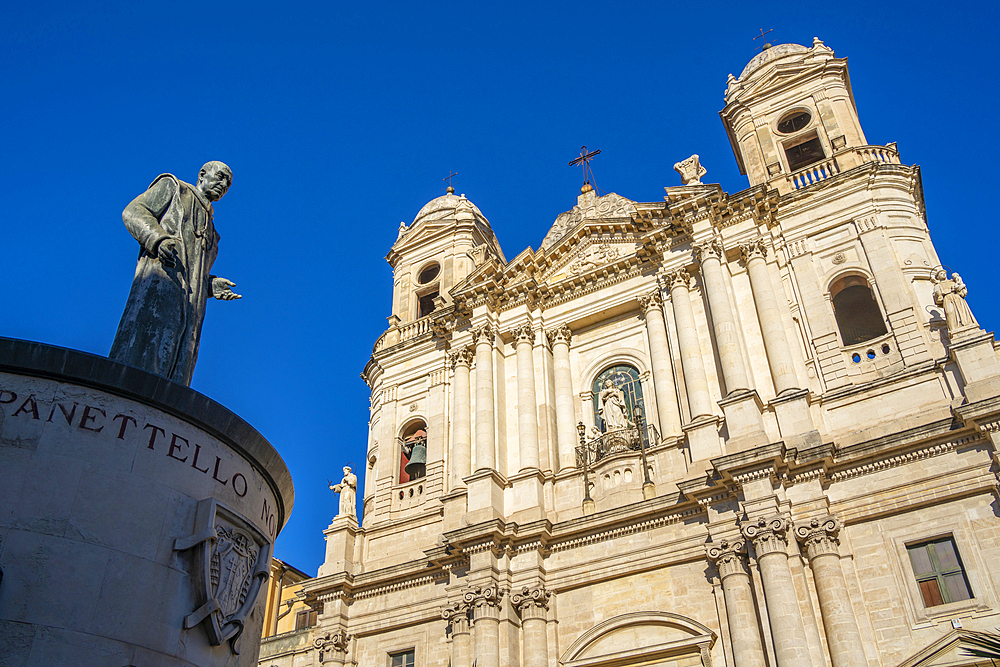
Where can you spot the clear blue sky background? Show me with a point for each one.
(340, 120)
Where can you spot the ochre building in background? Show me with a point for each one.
(743, 430)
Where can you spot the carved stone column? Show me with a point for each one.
(663, 371)
(772, 327)
(532, 604)
(485, 602)
(710, 255)
(730, 559)
(527, 409)
(457, 616)
(565, 413)
(819, 540)
(332, 647)
(461, 455)
(787, 631)
(485, 435)
(695, 379)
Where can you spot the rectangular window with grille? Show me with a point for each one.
(402, 659)
(939, 572)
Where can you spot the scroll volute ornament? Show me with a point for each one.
(560, 334)
(523, 334)
(678, 278)
(463, 356)
(331, 642)
(531, 599)
(483, 334)
(651, 301)
(484, 600)
(457, 615)
(712, 248)
(767, 535)
(819, 536)
(756, 249)
(729, 556)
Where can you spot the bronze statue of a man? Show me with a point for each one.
(172, 221)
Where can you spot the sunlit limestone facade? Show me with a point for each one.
(811, 477)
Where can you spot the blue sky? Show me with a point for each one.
(341, 119)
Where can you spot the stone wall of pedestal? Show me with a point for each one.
(137, 517)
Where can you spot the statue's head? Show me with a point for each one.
(608, 384)
(214, 180)
(940, 275)
(347, 470)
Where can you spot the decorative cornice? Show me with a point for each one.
(531, 602)
(523, 334)
(894, 461)
(637, 527)
(755, 249)
(651, 301)
(463, 356)
(729, 556)
(711, 248)
(560, 334)
(819, 536)
(483, 334)
(678, 278)
(767, 535)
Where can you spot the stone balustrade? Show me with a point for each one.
(840, 161)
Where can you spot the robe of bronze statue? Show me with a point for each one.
(172, 221)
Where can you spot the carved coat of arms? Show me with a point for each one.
(231, 560)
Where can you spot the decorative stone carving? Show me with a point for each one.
(589, 207)
(348, 489)
(690, 170)
(678, 277)
(756, 249)
(531, 602)
(561, 334)
(767, 534)
(819, 536)
(457, 616)
(613, 409)
(231, 561)
(729, 556)
(479, 254)
(463, 356)
(402, 231)
(523, 333)
(593, 257)
(332, 646)
(711, 248)
(485, 601)
(160, 329)
(651, 301)
(483, 334)
(950, 294)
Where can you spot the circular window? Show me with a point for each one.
(885, 348)
(856, 358)
(794, 122)
(428, 274)
(870, 354)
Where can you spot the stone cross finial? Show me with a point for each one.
(690, 170)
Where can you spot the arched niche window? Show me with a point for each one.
(413, 452)
(608, 414)
(858, 316)
(427, 288)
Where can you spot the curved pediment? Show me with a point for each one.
(642, 636)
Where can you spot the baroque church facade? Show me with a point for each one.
(743, 430)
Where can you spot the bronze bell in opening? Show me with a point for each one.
(416, 452)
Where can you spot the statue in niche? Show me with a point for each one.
(172, 221)
(950, 294)
(690, 170)
(613, 410)
(347, 489)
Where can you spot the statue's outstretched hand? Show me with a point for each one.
(221, 289)
(166, 251)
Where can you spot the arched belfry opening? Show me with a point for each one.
(858, 315)
(413, 452)
(428, 288)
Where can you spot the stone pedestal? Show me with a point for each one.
(120, 493)
(527, 503)
(703, 438)
(746, 428)
(973, 351)
(340, 539)
(485, 496)
(794, 421)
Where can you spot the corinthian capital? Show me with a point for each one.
(560, 334)
(531, 602)
(756, 249)
(651, 301)
(729, 556)
(767, 534)
(711, 248)
(483, 334)
(457, 616)
(678, 278)
(523, 334)
(819, 536)
(484, 600)
(463, 356)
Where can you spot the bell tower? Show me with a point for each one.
(790, 112)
